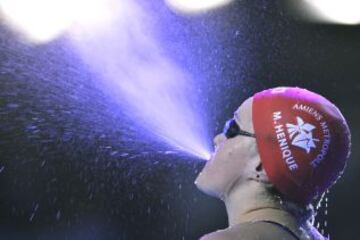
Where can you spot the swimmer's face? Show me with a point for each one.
(232, 160)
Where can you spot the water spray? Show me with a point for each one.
(118, 43)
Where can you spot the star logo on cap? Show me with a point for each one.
(301, 134)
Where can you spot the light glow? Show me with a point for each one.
(194, 6)
(44, 20)
(335, 11)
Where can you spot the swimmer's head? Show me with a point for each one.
(301, 143)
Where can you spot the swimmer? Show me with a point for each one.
(280, 152)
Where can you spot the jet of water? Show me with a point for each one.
(146, 83)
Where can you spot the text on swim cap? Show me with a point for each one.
(283, 143)
(309, 110)
(325, 146)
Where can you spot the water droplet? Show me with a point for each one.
(131, 196)
(169, 152)
(43, 163)
(12, 105)
(124, 154)
(58, 215)
(113, 153)
(31, 217)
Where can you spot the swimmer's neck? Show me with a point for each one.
(250, 201)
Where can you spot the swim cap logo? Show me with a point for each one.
(301, 134)
(303, 131)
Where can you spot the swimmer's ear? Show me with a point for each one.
(260, 175)
(259, 167)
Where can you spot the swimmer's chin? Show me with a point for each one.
(204, 185)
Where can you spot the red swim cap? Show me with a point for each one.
(303, 141)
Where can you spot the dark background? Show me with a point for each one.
(72, 166)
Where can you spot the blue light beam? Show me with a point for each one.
(147, 84)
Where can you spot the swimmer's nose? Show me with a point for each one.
(220, 138)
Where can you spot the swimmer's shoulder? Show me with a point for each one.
(219, 235)
(251, 231)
